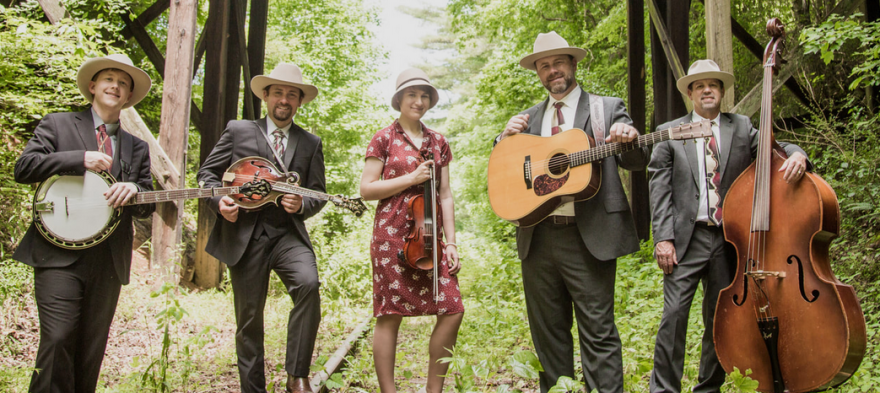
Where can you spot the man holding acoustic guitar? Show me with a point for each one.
(688, 185)
(254, 243)
(77, 286)
(569, 259)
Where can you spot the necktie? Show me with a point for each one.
(104, 145)
(713, 175)
(558, 119)
(279, 142)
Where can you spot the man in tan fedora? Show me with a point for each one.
(254, 243)
(77, 290)
(688, 185)
(569, 259)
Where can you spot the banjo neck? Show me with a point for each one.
(173, 195)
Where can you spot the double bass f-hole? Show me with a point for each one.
(791, 260)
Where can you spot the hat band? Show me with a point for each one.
(413, 79)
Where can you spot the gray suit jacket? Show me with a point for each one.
(605, 221)
(675, 187)
(242, 138)
(58, 148)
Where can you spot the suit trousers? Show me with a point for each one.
(560, 276)
(75, 304)
(295, 264)
(711, 260)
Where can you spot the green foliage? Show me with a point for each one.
(737, 382)
(851, 37)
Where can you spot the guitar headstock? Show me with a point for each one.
(697, 129)
(354, 205)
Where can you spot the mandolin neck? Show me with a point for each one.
(295, 189)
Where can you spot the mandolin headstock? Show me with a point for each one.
(354, 205)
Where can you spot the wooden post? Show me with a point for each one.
(719, 43)
(208, 270)
(635, 62)
(674, 45)
(174, 129)
(256, 47)
(54, 10)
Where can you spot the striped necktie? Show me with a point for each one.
(279, 142)
(104, 145)
(558, 119)
(713, 176)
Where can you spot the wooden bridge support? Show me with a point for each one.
(636, 104)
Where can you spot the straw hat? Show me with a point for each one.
(704, 69)
(551, 44)
(284, 74)
(413, 77)
(91, 67)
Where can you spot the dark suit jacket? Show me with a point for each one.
(242, 138)
(605, 221)
(58, 148)
(675, 187)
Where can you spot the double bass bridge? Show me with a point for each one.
(763, 274)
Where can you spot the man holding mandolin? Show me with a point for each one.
(569, 259)
(254, 243)
(688, 186)
(77, 286)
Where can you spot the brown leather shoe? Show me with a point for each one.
(298, 385)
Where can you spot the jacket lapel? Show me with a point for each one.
(538, 119)
(123, 146)
(582, 115)
(726, 128)
(690, 150)
(260, 136)
(86, 128)
(293, 137)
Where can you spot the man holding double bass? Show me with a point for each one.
(254, 243)
(77, 289)
(688, 185)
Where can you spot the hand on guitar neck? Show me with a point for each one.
(619, 132)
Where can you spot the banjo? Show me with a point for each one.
(72, 213)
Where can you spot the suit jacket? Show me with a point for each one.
(58, 148)
(242, 138)
(675, 181)
(605, 221)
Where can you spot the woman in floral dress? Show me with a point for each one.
(393, 174)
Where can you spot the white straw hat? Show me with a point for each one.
(551, 44)
(413, 77)
(91, 67)
(704, 69)
(284, 74)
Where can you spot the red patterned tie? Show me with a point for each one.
(279, 142)
(558, 118)
(713, 174)
(104, 145)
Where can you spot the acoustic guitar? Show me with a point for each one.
(530, 176)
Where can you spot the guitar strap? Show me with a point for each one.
(278, 158)
(597, 119)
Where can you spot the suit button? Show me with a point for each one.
(692, 220)
(697, 196)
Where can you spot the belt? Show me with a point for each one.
(707, 224)
(561, 220)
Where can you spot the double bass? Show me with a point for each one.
(785, 317)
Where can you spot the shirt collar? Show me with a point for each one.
(696, 118)
(271, 127)
(97, 120)
(570, 100)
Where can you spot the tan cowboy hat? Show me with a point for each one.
(413, 77)
(551, 44)
(704, 69)
(284, 74)
(91, 67)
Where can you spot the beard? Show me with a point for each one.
(279, 114)
(556, 87)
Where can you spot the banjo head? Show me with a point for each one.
(71, 211)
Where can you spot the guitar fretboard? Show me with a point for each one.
(189, 193)
(609, 149)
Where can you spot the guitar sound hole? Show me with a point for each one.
(558, 164)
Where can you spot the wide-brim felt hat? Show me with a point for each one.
(413, 77)
(284, 74)
(551, 44)
(704, 69)
(142, 81)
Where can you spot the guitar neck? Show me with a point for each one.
(609, 149)
(294, 189)
(174, 195)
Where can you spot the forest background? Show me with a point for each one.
(167, 338)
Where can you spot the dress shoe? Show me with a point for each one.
(298, 385)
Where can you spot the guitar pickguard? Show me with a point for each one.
(544, 184)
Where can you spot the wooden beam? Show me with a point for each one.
(257, 47)
(719, 43)
(148, 16)
(201, 46)
(174, 129)
(637, 98)
(239, 7)
(208, 271)
(751, 103)
(668, 49)
(53, 9)
(161, 166)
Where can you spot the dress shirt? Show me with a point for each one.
(700, 145)
(568, 111)
(109, 128)
(271, 127)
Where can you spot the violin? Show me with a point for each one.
(785, 316)
(422, 248)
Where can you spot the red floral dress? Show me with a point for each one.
(398, 288)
